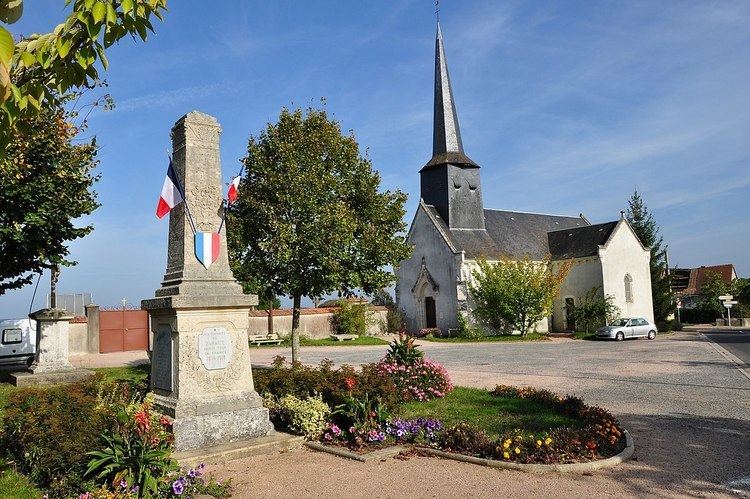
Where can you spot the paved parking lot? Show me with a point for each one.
(687, 407)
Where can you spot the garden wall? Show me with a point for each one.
(315, 323)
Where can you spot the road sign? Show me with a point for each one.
(729, 303)
(726, 297)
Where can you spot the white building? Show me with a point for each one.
(452, 230)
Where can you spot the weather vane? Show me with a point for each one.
(437, 10)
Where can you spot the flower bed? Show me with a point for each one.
(378, 407)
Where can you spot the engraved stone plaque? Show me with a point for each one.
(162, 359)
(215, 348)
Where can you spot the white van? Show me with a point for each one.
(17, 341)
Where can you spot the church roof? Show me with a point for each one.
(447, 146)
(579, 242)
(508, 234)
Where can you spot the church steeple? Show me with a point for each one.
(450, 180)
(447, 146)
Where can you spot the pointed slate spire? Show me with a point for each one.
(446, 134)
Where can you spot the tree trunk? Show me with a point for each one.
(295, 328)
(270, 317)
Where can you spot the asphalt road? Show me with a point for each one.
(736, 342)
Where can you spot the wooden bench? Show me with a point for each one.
(343, 337)
(264, 339)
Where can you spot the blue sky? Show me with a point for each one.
(567, 106)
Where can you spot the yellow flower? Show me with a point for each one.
(508, 441)
(538, 443)
(517, 450)
(506, 444)
(548, 441)
(506, 455)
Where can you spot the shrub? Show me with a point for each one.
(465, 330)
(465, 439)
(403, 351)
(350, 318)
(307, 417)
(48, 432)
(136, 453)
(422, 380)
(415, 377)
(426, 332)
(330, 384)
(394, 322)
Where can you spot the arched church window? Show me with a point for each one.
(628, 288)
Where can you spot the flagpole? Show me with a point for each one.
(226, 205)
(182, 192)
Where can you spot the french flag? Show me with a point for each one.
(234, 187)
(171, 195)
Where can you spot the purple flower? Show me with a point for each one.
(178, 487)
(192, 473)
(135, 489)
(123, 484)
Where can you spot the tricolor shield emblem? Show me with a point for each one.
(207, 247)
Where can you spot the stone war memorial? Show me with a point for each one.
(200, 367)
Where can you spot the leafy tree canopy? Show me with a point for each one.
(516, 294)
(45, 184)
(310, 218)
(712, 288)
(645, 227)
(37, 69)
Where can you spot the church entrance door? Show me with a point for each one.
(429, 312)
(570, 314)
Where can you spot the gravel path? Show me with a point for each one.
(686, 406)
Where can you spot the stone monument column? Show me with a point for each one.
(200, 365)
(51, 364)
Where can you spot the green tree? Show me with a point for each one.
(595, 309)
(310, 219)
(645, 227)
(37, 70)
(516, 294)
(712, 288)
(46, 183)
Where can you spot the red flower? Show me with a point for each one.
(142, 421)
(165, 422)
(350, 383)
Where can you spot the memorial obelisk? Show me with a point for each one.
(200, 365)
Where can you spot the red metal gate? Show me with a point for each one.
(123, 330)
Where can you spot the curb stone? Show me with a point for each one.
(620, 458)
(729, 356)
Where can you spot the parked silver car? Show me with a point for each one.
(634, 327)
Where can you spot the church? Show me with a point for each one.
(452, 230)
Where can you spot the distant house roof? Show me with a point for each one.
(508, 234)
(579, 242)
(697, 277)
(333, 303)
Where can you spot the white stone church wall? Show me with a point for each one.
(584, 274)
(625, 255)
(440, 262)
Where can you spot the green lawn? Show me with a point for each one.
(495, 415)
(126, 373)
(307, 342)
(582, 335)
(483, 339)
(14, 485)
